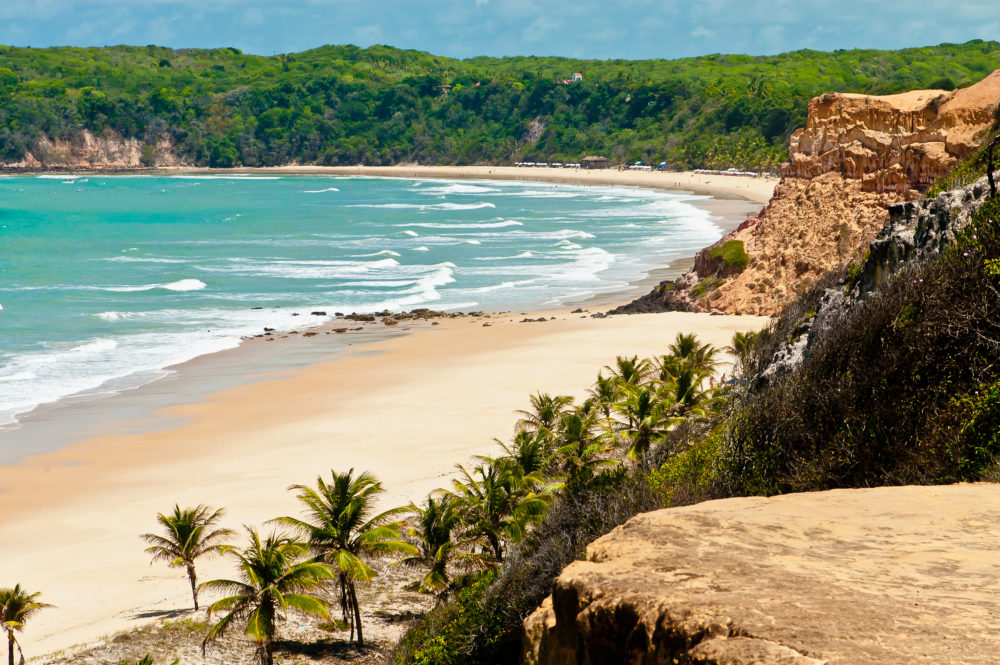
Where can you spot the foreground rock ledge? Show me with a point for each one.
(886, 575)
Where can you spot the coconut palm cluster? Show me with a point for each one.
(313, 563)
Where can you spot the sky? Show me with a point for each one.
(629, 29)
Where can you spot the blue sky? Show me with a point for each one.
(464, 28)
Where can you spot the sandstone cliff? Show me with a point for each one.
(889, 575)
(857, 155)
(892, 143)
(108, 151)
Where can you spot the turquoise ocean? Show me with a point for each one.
(106, 281)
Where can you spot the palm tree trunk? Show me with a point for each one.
(10, 646)
(497, 549)
(345, 603)
(194, 586)
(357, 614)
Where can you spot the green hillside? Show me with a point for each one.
(381, 105)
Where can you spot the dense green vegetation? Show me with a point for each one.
(346, 105)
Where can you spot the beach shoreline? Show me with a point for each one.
(38, 430)
(407, 408)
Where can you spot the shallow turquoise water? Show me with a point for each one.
(105, 281)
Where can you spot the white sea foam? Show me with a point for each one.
(142, 259)
(464, 225)
(412, 234)
(19, 376)
(546, 193)
(299, 269)
(321, 191)
(384, 252)
(231, 176)
(522, 255)
(113, 316)
(179, 285)
(420, 249)
(457, 188)
(426, 206)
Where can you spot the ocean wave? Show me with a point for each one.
(99, 345)
(18, 376)
(457, 188)
(300, 269)
(420, 249)
(547, 193)
(232, 176)
(114, 316)
(522, 255)
(141, 259)
(426, 206)
(321, 191)
(180, 285)
(384, 252)
(412, 234)
(464, 225)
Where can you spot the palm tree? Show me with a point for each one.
(630, 371)
(580, 450)
(16, 607)
(687, 347)
(740, 348)
(527, 453)
(188, 534)
(341, 530)
(273, 580)
(545, 412)
(605, 392)
(683, 390)
(496, 504)
(647, 420)
(432, 527)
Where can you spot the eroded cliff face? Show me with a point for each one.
(892, 143)
(857, 155)
(889, 575)
(108, 151)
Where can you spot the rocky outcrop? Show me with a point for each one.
(857, 155)
(86, 150)
(915, 230)
(890, 575)
(892, 143)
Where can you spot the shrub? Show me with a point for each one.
(897, 392)
(732, 254)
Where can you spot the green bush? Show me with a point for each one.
(900, 391)
(442, 638)
(732, 254)
(691, 475)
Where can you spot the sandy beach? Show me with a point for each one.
(758, 190)
(407, 409)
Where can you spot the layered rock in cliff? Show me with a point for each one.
(108, 151)
(857, 155)
(890, 575)
(892, 143)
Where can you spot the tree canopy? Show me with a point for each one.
(381, 105)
